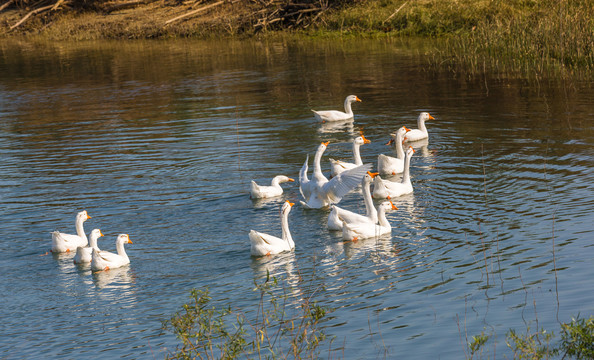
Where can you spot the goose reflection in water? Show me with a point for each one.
(344, 126)
(119, 279)
(273, 265)
(273, 202)
(281, 266)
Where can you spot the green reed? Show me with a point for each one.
(525, 37)
(278, 331)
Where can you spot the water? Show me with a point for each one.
(160, 141)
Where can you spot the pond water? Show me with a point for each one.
(160, 140)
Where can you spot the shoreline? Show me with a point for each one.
(545, 38)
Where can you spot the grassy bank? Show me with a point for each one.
(544, 37)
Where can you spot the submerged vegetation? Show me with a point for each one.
(545, 37)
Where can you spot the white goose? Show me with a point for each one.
(337, 166)
(261, 191)
(62, 242)
(388, 165)
(339, 215)
(335, 115)
(319, 191)
(384, 188)
(105, 260)
(420, 133)
(353, 232)
(264, 244)
(83, 254)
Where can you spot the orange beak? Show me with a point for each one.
(407, 129)
(365, 140)
(130, 241)
(291, 179)
(372, 174)
(390, 142)
(326, 143)
(290, 203)
(393, 207)
(412, 149)
(357, 99)
(431, 117)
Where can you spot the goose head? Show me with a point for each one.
(424, 116)
(388, 205)
(352, 98)
(95, 234)
(83, 216)
(410, 151)
(283, 179)
(286, 208)
(360, 140)
(123, 239)
(368, 178)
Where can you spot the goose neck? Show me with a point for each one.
(80, 230)
(286, 233)
(421, 124)
(406, 173)
(347, 107)
(371, 211)
(399, 149)
(357, 154)
(120, 249)
(318, 161)
(381, 217)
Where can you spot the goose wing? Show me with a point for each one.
(345, 182)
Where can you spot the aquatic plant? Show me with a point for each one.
(577, 342)
(277, 331)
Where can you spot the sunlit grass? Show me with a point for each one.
(526, 37)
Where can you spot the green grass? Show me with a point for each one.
(521, 37)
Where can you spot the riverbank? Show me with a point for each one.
(522, 36)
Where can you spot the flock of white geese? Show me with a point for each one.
(321, 192)
(317, 192)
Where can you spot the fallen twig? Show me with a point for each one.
(4, 6)
(395, 12)
(126, 5)
(193, 12)
(33, 12)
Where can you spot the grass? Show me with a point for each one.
(542, 38)
(278, 331)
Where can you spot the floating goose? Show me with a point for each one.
(335, 115)
(105, 260)
(83, 254)
(420, 133)
(62, 242)
(384, 188)
(319, 192)
(337, 166)
(264, 244)
(355, 231)
(339, 215)
(388, 165)
(261, 191)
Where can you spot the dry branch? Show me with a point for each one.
(33, 12)
(395, 12)
(126, 5)
(193, 12)
(4, 6)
